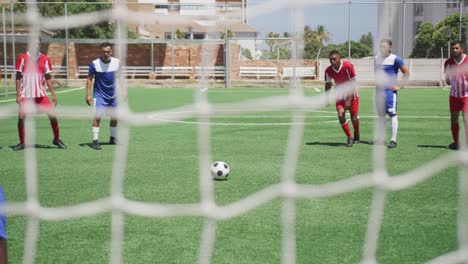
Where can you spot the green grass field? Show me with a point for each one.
(419, 223)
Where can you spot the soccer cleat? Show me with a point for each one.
(96, 145)
(349, 142)
(20, 146)
(356, 138)
(112, 141)
(59, 143)
(453, 146)
(392, 144)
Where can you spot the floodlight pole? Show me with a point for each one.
(66, 40)
(449, 36)
(4, 50)
(349, 30)
(460, 21)
(404, 31)
(13, 56)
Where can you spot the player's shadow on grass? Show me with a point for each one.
(331, 144)
(433, 146)
(335, 144)
(90, 144)
(38, 146)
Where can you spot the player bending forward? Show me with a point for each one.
(103, 70)
(342, 72)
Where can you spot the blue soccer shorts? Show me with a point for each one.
(104, 106)
(388, 104)
(3, 233)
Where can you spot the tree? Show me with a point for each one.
(246, 53)
(104, 30)
(368, 40)
(423, 44)
(272, 42)
(280, 53)
(430, 39)
(312, 49)
(309, 35)
(229, 33)
(179, 34)
(321, 34)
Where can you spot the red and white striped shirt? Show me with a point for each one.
(458, 73)
(33, 81)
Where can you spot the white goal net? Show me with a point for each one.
(288, 189)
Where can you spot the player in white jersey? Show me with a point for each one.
(456, 74)
(103, 70)
(387, 66)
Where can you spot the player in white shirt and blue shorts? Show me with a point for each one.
(103, 70)
(387, 66)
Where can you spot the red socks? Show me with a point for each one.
(345, 128)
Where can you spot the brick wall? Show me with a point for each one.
(81, 54)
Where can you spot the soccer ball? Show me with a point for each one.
(220, 170)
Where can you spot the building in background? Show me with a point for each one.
(408, 17)
(232, 13)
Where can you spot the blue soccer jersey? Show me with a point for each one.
(387, 70)
(104, 77)
(3, 233)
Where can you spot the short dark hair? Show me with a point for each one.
(389, 42)
(334, 52)
(457, 42)
(106, 44)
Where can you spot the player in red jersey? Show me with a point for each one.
(32, 73)
(342, 72)
(456, 74)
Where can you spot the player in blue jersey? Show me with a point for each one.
(387, 66)
(103, 70)
(3, 234)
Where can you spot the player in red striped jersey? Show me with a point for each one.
(456, 74)
(33, 71)
(342, 72)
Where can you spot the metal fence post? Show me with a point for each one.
(4, 50)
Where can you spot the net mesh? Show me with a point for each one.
(288, 189)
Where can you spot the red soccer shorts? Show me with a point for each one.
(458, 104)
(42, 102)
(353, 108)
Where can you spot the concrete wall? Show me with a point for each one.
(81, 54)
(430, 70)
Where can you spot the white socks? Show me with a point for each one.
(113, 131)
(95, 133)
(394, 127)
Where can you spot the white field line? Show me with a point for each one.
(58, 92)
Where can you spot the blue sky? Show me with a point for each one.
(333, 16)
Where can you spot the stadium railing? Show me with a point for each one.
(258, 72)
(210, 71)
(301, 72)
(128, 71)
(176, 71)
(10, 70)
